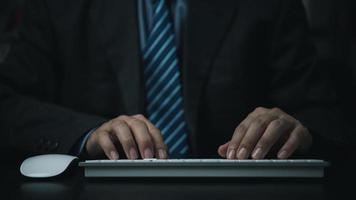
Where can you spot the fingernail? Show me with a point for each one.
(114, 155)
(257, 154)
(148, 153)
(283, 154)
(162, 154)
(133, 154)
(242, 154)
(231, 154)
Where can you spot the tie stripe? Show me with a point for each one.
(162, 73)
(169, 55)
(156, 42)
(163, 81)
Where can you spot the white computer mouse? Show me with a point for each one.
(44, 166)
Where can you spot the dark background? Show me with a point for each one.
(334, 33)
(332, 22)
(332, 28)
(10, 17)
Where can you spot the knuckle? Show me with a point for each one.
(95, 136)
(303, 129)
(302, 132)
(136, 122)
(289, 118)
(277, 123)
(276, 110)
(102, 135)
(118, 123)
(265, 142)
(259, 122)
(285, 118)
(97, 131)
(233, 145)
(246, 144)
(104, 126)
(241, 129)
(260, 109)
(140, 116)
(123, 116)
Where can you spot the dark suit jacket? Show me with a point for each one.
(78, 64)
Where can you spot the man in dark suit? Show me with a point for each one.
(153, 78)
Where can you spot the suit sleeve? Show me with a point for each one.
(31, 121)
(299, 84)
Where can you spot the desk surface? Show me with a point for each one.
(75, 186)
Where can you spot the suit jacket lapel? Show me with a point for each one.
(115, 26)
(207, 24)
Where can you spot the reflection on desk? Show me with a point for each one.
(75, 186)
(204, 190)
(48, 190)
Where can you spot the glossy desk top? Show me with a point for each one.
(73, 185)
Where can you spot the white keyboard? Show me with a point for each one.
(205, 168)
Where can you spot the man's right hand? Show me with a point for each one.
(138, 137)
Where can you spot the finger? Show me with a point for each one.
(253, 134)
(142, 137)
(122, 131)
(292, 143)
(160, 147)
(223, 149)
(106, 144)
(273, 133)
(239, 133)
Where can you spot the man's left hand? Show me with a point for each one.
(264, 129)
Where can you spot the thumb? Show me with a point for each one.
(223, 149)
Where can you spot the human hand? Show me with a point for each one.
(264, 129)
(134, 134)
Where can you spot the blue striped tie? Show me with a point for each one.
(162, 81)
